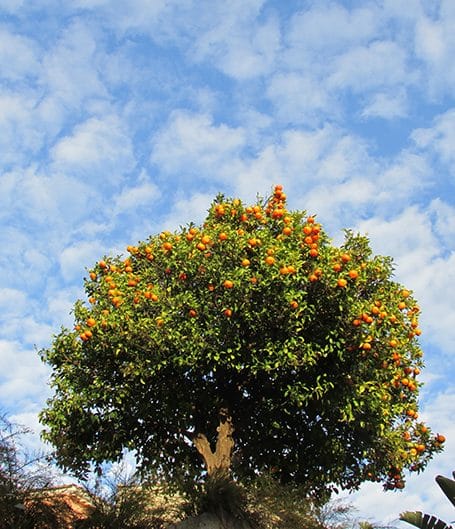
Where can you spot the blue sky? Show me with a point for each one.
(120, 119)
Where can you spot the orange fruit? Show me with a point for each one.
(337, 267)
(310, 220)
(287, 230)
(440, 438)
(93, 276)
(102, 264)
(192, 313)
(277, 213)
(228, 283)
(246, 262)
(91, 322)
(167, 246)
(270, 260)
(353, 274)
(222, 236)
(200, 246)
(294, 304)
(313, 252)
(345, 258)
(227, 313)
(307, 230)
(342, 282)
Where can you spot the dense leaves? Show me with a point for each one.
(311, 347)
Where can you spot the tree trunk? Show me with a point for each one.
(218, 461)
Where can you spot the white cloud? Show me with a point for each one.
(76, 257)
(13, 302)
(332, 27)
(187, 209)
(444, 222)
(70, 70)
(143, 194)
(18, 132)
(191, 144)
(99, 147)
(301, 98)
(440, 138)
(18, 58)
(237, 43)
(387, 105)
(376, 65)
(435, 46)
(23, 375)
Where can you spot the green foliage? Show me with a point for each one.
(428, 521)
(312, 348)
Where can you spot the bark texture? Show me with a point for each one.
(219, 461)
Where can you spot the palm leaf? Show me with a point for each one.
(448, 487)
(424, 521)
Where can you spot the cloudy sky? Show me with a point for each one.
(121, 118)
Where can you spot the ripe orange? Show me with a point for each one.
(345, 258)
(307, 230)
(91, 322)
(246, 262)
(313, 278)
(440, 438)
(102, 264)
(227, 313)
(353, 274)
(342, 282)
(406, 436)
(287, 230)
(313, 252)
(294, 304)
(93, 276)
(277, 213)
(366, 346)
(192, 313)
(284, 270)
(402, 305)
(310, 220)
(228, 283)
(200, 246)
(222, 236)
(270, 260)
(167, 246)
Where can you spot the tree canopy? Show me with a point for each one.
(250, 343)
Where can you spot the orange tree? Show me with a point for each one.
(248, 344)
